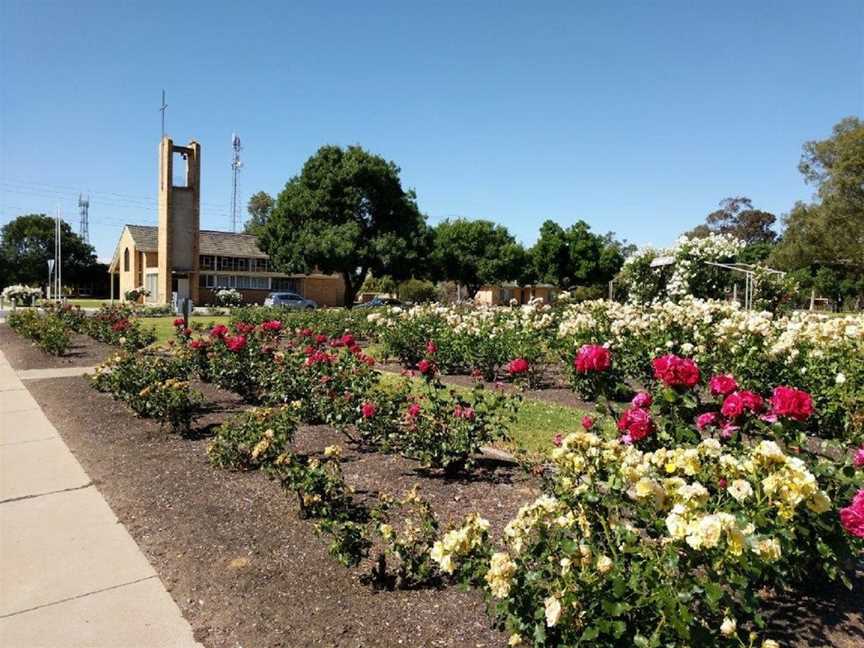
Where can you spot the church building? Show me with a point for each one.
(178, 259)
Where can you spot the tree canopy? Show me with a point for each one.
(475, 253)
(575, 256)
(828, 233)
(27, 244)
(259, 207)
(346, 213)
(738, 217)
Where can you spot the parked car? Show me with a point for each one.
(379, 301)
(289, 300)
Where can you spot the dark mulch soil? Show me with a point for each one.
(24, 354)
(247, 571)
(244, 569)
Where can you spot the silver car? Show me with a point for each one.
(289, 300)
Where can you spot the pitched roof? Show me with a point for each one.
(210, 242)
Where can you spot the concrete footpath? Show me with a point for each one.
(71, 576)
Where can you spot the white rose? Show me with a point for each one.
(553, 611)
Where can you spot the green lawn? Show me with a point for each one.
(88, 303)
(164, 326)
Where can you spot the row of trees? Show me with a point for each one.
(26, 245)
(822, 242)
(347, 213)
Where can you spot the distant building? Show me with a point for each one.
(502, 294)
(178, 259)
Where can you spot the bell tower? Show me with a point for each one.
(179, 220)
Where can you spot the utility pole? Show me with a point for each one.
(236, 164)
(58, 256)
(162, 109)
(84, 227)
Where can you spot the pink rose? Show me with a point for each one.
(431, 347)
(642, 400)
(517, 366)
(587, 422)
(708, 419)
(592, 358)
(557, 440)
(791, 403)
(272, 326)
(244, 328)
(413, 410)
(852, 517)
(733, 406)
(722, 384)
(858, 459)
(676, 372)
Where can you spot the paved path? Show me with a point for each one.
(57, 372)
(71, 576)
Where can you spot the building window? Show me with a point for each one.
(241, 265)
(258, 265)
(207, 262)
(285, 283)
(126, 260)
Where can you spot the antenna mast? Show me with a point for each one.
(236, 165)
(84, 209)
(162, 110)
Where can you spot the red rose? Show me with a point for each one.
(368, 409)
(752, 401)
(587, 422)
(792, 403)
(431, 347)
(236, 343)
(219, 331)
(306, 332)
(179, 322)
(272, 326)
(413, 410)
(348, 340)
(517, 366)
(197, 344)
(425, 367)
(722, 384)
(592, 357)
(244, 328)
(120, 325)
(320, 339)
(636, 423)
(674, 371)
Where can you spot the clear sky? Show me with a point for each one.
(637, 117)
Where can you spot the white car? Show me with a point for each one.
(289, 300)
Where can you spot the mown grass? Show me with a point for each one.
(164, 326)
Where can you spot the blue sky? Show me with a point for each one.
(637, 117)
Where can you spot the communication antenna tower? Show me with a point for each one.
(84, 209)
(236, 165)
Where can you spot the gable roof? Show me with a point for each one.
(146, 239)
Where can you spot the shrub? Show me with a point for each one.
(135, 294)
(228, 297)
(253, 439)
(417, 291)
(48, 331)
(21, 295)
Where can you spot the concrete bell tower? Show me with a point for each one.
(179, 221)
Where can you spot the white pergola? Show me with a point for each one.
(749, 272)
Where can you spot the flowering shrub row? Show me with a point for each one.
(46, 330)
(152, 385)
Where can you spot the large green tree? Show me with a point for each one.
(27, 244)
(347, 213)
(738, 217)
(575, 256)
(259, 208)
(475, 253)
(829, 232)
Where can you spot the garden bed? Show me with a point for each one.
(84, 351)
(244, 569)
